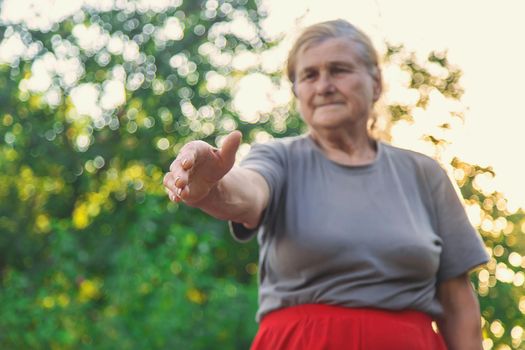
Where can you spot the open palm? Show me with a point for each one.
(198, 167)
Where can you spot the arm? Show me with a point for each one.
(204, 177)
(240, 196)
(461, 321)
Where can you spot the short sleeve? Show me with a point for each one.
(462, 247)
(269, 160)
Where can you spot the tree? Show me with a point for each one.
(94, 108)
(94, 111)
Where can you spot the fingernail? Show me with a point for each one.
(176, 180)
(184, 163)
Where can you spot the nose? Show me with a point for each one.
(324, 84)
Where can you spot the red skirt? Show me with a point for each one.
(325, 327)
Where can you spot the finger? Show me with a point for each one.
(185, 159)
(181, 193)
(230, 146)
(191, 155)
(177, 163)
(171, 196)
(173, 165)
(188, 162)
(168, 181)
(171, 181)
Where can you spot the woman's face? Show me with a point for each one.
(333, 87)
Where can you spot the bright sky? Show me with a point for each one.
(484, 38)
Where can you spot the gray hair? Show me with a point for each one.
(319, 32)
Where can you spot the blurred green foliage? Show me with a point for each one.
(92, 254)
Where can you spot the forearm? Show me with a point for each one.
(462, 330)
(238, 197)
(461, 320)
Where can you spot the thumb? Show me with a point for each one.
(229, 147)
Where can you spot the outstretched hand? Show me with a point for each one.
(198, 168)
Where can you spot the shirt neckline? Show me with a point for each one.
(355, 168)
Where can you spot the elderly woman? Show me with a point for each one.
(362, 245)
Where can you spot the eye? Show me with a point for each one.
(307, 76)
(340, 70)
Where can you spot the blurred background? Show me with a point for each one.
(98, 96)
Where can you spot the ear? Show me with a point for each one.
(378, 84)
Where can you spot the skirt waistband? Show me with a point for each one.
(327, 327)
(292, 313)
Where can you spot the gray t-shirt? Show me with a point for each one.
(379, 235)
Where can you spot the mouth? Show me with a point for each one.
(328, 104)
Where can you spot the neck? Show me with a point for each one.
(345, 147)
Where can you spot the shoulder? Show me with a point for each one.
(275, 152)
(282, 145)
(425, 166)
(418, 159)
(284, 142)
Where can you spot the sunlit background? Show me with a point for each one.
(484, 40)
